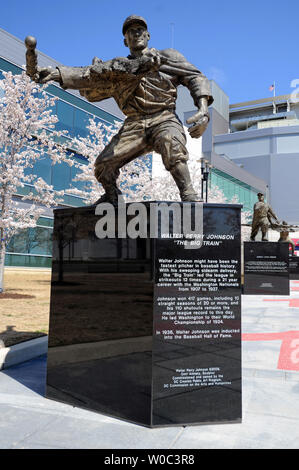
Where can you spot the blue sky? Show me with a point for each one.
(243, 46)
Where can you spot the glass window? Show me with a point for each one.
(82, 185)
(19, 243)
(81, 122)
(61, 176)
(65, 113)
(1, 91)
(54, 109)
(30, 261)
(45, 221)
(98, 120)
(39, 241)
(9, 246)
(42, 168)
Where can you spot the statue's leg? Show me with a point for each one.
(181, 175)
(264, 229)
(254, 231)
(107, 175)
(170, 141)
(124, 147)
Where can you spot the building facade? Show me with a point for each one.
(263, 139)
(33, 247)
(230, 177)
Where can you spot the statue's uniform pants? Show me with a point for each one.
(262, 224)
(161, 132)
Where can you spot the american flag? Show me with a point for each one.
(271, 88)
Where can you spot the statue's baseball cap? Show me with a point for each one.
(131, 20)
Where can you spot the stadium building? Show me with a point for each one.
(264, 140)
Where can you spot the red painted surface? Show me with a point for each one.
(289, 350)
(262, 336)
(292, 302)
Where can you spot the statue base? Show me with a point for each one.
(266, 268)
(294, 267)
(148, 329)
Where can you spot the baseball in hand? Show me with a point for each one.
(30, 42)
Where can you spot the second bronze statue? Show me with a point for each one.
(144, 85)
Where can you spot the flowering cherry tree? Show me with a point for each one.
(90, 147)
(26, 134)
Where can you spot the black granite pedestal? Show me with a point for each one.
(294, 267)
(147, 329)
(266, 268)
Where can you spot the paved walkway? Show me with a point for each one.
(270, 351)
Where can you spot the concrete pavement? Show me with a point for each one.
(270, 358)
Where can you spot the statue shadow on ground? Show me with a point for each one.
(31, 374)
(11, 337)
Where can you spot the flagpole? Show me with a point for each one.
(274, 94)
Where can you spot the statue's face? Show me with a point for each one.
(261, 197)
(136, 37)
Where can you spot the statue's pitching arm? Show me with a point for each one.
(198, 85)
(271, 216)
(37, 74)
(100, 75)
(200, 119)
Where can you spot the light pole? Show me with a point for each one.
(205, 171)
(202, 168)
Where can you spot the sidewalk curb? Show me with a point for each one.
(23, 352)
